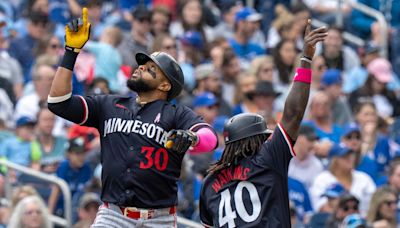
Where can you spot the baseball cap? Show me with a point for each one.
(381, 69)
(219, 123)
(334, 191)
(331, 77)
(204, 99)
(339, 150)
(247, 14)
(141, 13)
(202, 71)
(76, 145)
(354, 221)
(308, 132)
(264, 88)
(25, 121)
(192, 38)
(350, 128)
(89, 197)
(346, 197)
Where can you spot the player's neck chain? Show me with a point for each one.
(141, 103)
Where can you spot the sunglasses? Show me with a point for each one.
(390, 203)
(353, 136)
(169, 47)
(321, 67)
(353, 207)
(31, 212)
(55, 46)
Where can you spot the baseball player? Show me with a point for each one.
(248, 186)
(143, 140)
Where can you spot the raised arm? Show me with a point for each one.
(297, 99)
(77, 34)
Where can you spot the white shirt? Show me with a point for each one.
(305, 171)
(362, 187)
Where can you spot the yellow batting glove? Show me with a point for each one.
(77, 32)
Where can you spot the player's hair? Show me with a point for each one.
(235, 151)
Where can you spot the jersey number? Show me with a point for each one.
(226, 209)
(160, 160)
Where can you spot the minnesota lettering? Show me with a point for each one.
(149, 130)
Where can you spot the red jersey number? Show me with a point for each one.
(159, 158)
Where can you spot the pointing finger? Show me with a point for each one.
(85, 15)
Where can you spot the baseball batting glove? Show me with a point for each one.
(180, 140)
(77, 32)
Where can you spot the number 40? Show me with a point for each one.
(230, 215)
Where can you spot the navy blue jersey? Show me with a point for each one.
(253, 193)
(137, 170)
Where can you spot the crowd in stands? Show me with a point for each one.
(235, 58)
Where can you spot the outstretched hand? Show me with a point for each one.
(311, 38)
(77, 32)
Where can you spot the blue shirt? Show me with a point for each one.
(333, 136)
(21, 49)
(17, 151)
(381, 154)
(369, 166)
(299, 196)
(246, 51)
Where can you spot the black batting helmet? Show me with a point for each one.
(244, 125)
(169, 67)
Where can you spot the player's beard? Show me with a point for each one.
(139, 85)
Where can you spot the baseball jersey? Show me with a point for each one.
(253, 193)
(137, 170)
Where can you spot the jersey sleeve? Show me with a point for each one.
(277, 152)
(82, 110)
(205, 216)
(187, 119)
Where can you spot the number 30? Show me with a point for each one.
(230, 215)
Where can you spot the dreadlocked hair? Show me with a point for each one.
(235, 151)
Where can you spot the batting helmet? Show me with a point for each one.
(244, 125)
(169, 67)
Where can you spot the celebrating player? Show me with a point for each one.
(248, 186)
(143, 140)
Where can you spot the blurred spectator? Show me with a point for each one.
(76, 172)
(357, 76)
(263, 68)
(165, 43)
(42, 77)
(138, 39)
(193, 54)
(298, 194)
(7, 111)
(99, 85)
(88, 206)
(21, 192)
(318, 68)
(246, 24)
(107, 58)
(341, 170)
(206, 105)
(374, 144)
(22, 48)
(161, 18)
(382, 209)
(284, 55)
(351, 138)
(263, 97)
(379, 75)
(229, 8)
(190, 17)
(305, 160)
(48, 44)
(331, 83)
(348, 204)
(230, 70)
(321, 119)
(394, 181)
(18, 149)
(281, 27)
(30, 212)
(332, 193)
(246, 84)
(336, 54)
(10, 69)
(188, 180)
(52, 148)
(95, 17)
(218, 126)
(217, 50)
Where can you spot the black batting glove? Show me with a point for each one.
(180, 140)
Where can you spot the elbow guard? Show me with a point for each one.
(207, 140)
